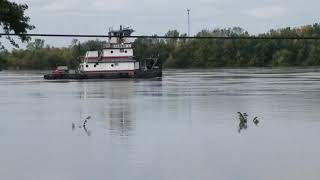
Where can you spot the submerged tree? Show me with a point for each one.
(13, 19)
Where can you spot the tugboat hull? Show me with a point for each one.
(139, 74)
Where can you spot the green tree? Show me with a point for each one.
(13, 18)
(282, 58)
(37, 44)
(3, 62)
(314, 56)
(186, 53)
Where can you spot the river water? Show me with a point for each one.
(183, 126)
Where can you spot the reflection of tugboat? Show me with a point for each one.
(116, 60)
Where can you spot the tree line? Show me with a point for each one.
(185, 53)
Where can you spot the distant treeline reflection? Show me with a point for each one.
(184, 53)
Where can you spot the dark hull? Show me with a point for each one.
(137, 75)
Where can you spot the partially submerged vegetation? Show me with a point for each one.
(243, 121)
(182, 53)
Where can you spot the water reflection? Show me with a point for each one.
(142, 130)
(87, 131)
(120, 116)
(111, 103)
(243, 121)
(149, 87)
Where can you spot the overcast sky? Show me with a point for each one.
(149, 17)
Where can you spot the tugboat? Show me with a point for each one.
(115, 60)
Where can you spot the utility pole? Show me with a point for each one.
(188, 10)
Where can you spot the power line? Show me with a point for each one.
(170, 37)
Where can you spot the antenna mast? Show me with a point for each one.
(188, 10)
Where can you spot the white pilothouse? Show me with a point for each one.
(116, 56)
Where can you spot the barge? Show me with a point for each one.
(115, 60)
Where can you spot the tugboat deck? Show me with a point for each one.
(78, 76)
